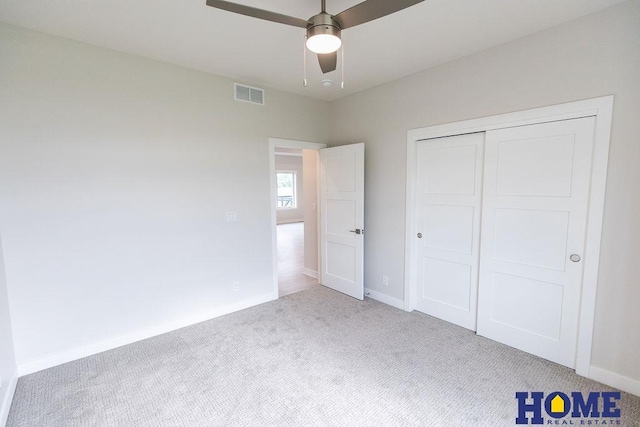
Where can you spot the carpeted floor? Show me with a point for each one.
(314, 358)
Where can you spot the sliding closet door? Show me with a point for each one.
(449, 193)
(534, 213)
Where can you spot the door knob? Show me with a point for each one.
(419, 235)
(357, 231)
(575, 258)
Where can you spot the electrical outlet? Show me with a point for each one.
(385, 280)
(236, 286)
(232, 216)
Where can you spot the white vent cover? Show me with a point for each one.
(250, 94)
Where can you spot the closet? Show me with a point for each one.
(500, 229)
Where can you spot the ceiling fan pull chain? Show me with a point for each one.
(342, 64)
(304, 61)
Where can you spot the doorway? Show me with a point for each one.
(294, 193)
(296, 219)
(338, 215)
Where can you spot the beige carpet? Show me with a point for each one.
(314, 358)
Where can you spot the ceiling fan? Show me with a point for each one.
(323, 29)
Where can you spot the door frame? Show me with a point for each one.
(602, 109)
(287, 143)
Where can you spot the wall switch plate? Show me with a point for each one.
(236, 286)
(385, 280)
(232, 216)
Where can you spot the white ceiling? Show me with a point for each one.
(189, 33)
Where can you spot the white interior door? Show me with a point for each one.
(449, 192)
(342, 218)
(536, 188)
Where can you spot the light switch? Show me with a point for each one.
(232, 216)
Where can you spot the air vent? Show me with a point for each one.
(250, 94)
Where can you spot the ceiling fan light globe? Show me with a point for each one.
(323, 43)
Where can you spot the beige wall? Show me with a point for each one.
(116, 175)
(593, 56)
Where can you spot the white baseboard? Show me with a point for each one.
(615, 380)
(46, 362)
(311, 273)
(393, 302)
(5, 404)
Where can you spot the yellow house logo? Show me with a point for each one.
(557, 405)
(533, 406)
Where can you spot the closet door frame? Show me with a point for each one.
(600, 108)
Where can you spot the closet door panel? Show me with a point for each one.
(449, 195)
(534, 213)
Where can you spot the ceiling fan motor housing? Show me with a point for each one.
(323, 23)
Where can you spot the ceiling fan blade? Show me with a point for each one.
(370, 10)
(328, 61)
(257, 13)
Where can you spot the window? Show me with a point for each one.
(286, 185)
